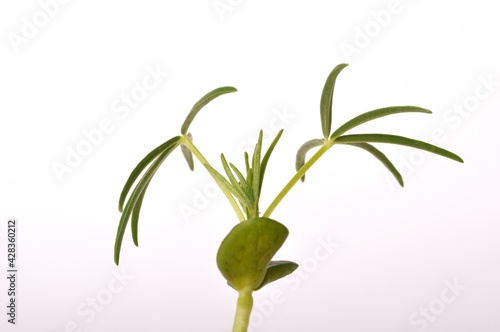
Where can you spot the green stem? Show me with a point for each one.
(187, 142)
(243, 311)
(326, 146)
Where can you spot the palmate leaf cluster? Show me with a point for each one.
(148, 167)
(247, 188)
(363, 140)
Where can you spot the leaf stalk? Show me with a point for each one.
(187, 142)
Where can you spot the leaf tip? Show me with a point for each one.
(135, 236)
(455, 157)
(117, 259)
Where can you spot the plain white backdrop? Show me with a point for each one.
(90, 87)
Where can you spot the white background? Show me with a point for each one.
(396, 251)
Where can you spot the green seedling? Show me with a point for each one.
(245, 255)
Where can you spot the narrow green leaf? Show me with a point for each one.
(265, 160)
(225, 183)
(247, 164)
(393, 139)
(241, 177)
(227, 169)
(277, 270)
(240, 188)
(135, 196)
(202, 102)
(256, 168)
(250, 175)
(382, 158)
(142, 165)
(326, 100)
(300, 159)
(134, 224)
(188, 155)
(378, 113)
(242, 182)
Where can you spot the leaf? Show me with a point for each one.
(244, 191)
(242, 182)
(227, 169)
(142, 165)
(378, 113)
(136, 194)
(393, 139)
(241, 177)
(380, 156)
(247, 165)
(265, 160)
(235, 191)
(249, 175)
(188, 155)
(326, 100)
(202, 102)
(134, 224)
(277, 270)
(256, 168)
(245, 253)
(300, 159)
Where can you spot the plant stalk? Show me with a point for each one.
(187, 142)
(325, 147)
(243, 311)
